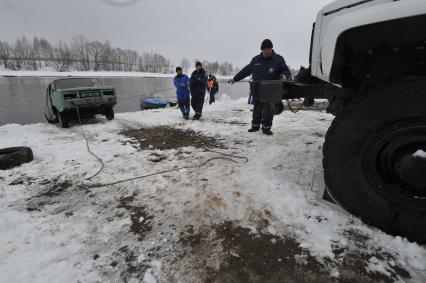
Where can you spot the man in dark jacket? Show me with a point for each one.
(198, 86)
(266, 66)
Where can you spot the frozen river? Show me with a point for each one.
(22, 98)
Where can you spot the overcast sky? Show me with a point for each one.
(224, 30)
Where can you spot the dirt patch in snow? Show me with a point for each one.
(55, 189)
(319, 106)
(358, 254)
(165, 137)
(141, 220)
(248, 257)
(223, 121)
(50, 193)
(133, 268)
(22, 180)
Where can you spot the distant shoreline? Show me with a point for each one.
(8, 73)
(12, 74)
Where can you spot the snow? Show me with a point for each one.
(55, 238)
(375, 265)
(148, 277)
(420, 153)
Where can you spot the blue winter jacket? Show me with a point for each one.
(181, 83)
(263, 69)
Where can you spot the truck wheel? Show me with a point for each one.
(14, 156)
(50, 121)
(109, 113)
(63, 119)
(374, 163)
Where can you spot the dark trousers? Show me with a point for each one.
(184, 107)
(262, 115)
(197, 103)
(212, 96)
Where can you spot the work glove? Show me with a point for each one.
(283, 77)
(231, 81)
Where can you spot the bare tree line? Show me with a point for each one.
(215, 68)
(80, 54)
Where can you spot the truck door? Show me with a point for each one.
(48, 112)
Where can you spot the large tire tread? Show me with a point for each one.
(393, 218)
(14, 156)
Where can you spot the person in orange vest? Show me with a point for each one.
(212, 88)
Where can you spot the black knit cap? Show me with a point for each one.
(178, 69)
(267, 43)
(198, 64)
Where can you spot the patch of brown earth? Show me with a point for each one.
(134, 269)
(222, 121)
(141, 220)
(51, 190)
(22, 180)
(165, 137)
(247, 257)
(297, 104)
(55, 189)
(263, 258)
(358, 257)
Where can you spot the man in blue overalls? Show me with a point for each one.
(181, 83)
(268, 65)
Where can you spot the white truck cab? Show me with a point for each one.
(368, 58)
(341, 16)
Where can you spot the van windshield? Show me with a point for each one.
(73, 83)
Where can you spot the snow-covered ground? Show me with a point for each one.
(252, 221)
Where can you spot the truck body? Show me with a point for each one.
(368, 58)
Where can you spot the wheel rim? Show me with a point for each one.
(394, 163)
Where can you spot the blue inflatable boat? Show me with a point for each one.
(154, 103)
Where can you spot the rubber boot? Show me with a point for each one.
(267, 132)
(254, 129)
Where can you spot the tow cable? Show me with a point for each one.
(226, 157)
(88, 148)
(291, 109)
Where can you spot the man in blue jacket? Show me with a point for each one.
(198, 87)
(181, 83)
(266, 66)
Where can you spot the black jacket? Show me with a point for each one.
(198, 82)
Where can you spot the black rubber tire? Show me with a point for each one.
(348, 144)
(308, 102)
(63, 119)
(53, 121)
(109, 113)
(14, 156)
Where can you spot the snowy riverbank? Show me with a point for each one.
(224, 221)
